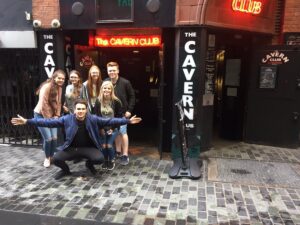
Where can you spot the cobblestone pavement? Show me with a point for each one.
(237, 187)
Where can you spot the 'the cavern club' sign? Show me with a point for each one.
(128, 41)
(247, 6)
(275, 57)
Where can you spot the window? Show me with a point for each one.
(112, 11)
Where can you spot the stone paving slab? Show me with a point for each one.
(142, 193)
(255, 173)
(254, 152)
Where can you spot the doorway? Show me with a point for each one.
(273, 97)
(141, 67)
(232, 66)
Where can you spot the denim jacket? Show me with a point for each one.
(93, 124)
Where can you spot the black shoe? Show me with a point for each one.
(110, 165)
(91, 167)
(104, 166)
(62, 174)
(78, 160)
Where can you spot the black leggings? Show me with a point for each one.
(93, 156)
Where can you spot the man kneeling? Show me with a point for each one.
(82, 139)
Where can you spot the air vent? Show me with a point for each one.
(279, 11)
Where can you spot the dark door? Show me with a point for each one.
(230, 91)
(141, 67)
(274, 97)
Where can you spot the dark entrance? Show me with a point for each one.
(273, 100)
(141, 67)
(232, 66)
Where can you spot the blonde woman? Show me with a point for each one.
(73, 91)
(91, 88)
(49, 106)
(108, 106)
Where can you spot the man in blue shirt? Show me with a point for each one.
(82, 138)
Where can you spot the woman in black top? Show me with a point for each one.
(108, 106)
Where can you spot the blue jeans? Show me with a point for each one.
(108, 140)
(49, 136)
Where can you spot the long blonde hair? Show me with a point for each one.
(113, 96)
(90, 83)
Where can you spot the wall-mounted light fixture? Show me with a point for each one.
(55, 23)
(153, 5)
(37, 23)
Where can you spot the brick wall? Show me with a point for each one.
(45, 11)
(291, 16)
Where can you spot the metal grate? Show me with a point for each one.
(19, 79)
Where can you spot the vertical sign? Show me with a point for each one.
(68, 55)
(187, 88)
(48, 54)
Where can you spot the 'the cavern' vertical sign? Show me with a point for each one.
(187, 83)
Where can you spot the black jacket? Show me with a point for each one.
(116, 106)
(125, 92)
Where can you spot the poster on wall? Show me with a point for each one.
(267, 76)
(210, 68)
(85, 57)
(233, 69)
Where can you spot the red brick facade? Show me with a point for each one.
(291, 16)
(45, 11)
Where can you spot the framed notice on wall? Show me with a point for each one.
(114, 11)
(268, 76)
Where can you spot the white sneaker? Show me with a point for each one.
(47, 163)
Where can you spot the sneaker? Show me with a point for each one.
(124, 160)
(47, 162)
(104, 165)
(110, 165)
(91, 167)
(118, 155)
(62, 174)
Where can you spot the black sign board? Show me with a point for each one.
(187, 87)
(267, 78)
(48, 54)
(292, 38)
(109, 11)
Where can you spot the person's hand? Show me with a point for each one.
(18, 120)
(127, 114)
(134, 119)
(66, 110)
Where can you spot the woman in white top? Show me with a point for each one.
(91, 88)
(73, 91)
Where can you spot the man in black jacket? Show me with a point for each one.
(125, 93)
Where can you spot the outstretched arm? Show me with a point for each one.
(18, 120)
